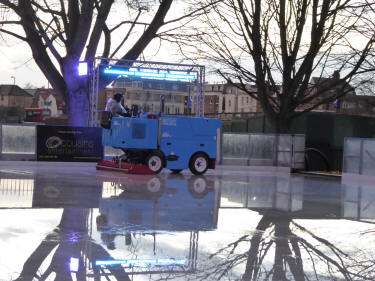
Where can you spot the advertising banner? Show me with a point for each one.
(66, 143)
(63, 192)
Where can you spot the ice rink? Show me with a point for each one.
(67, 221)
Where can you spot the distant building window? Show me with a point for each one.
(33, 113)
(229, 103)
(2, 97)
(247, 99)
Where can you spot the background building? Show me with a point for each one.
(48, 99)
(14, 96)
(228, 102)
(225, 101)
(357, 105)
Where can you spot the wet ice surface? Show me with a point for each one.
(59, 221)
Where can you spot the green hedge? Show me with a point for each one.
(11, 114)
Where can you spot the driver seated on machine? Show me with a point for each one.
(115, 107)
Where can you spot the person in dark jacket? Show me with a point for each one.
(115, 107)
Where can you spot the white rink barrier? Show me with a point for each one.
(358, 179)
(258, 149)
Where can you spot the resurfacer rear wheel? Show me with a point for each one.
(154, 161)
(198, 164)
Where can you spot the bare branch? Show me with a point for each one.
(150, 32)
(103, 11)
(127, 35)
(46, 9)
(265, 42)
(13, 34)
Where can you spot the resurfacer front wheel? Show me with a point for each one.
(154, 161)
(198, 164)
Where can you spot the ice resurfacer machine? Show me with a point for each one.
(162, 141)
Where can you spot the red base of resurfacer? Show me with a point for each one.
(128, 168)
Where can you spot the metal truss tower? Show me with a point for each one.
(143, 69)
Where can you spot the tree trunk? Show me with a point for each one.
(282, 233)
(252, 255)
(283, 125)
(77, 94)
(32, 264)
(78, 107)
(280, 124)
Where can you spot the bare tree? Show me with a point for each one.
(281, 249)
(29, 85)
(70, 239)
(61, 33)
(279, 45)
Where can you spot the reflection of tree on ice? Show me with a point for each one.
(322, 259)
(71, 239)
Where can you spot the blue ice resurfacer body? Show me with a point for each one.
(173, 142)
(175, 207)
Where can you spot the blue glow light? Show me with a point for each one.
(82, 68)
(142, 262)
(74, 264)
(145, 74)
(73, 237)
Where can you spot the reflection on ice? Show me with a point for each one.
(173, 203)
(17, 193)
(255, 226)
(265, 192)
(358, 197)
(286, 246)
(142, 262)
(159, 218)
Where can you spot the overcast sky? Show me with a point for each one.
(16, 61)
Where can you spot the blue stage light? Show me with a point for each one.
(118, 71)
(145, 74)
(82, 68)
(149, 74)
(74, 264)
(142, 262)
(180, 76)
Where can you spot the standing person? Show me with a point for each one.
(114, 106)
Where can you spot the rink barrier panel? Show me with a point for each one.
(18, 142)
(358, 178)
